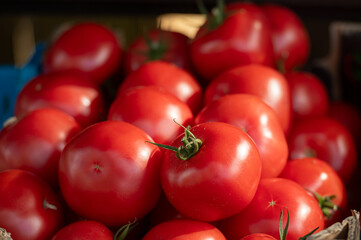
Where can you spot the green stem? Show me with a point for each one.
(124, 230)
(327, 206)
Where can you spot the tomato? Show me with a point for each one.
(309, 94)
(71, 92)
(318, 177)
(34, 142)
(262, 81)
(84, 230)
(258, 236)
(29, 208)
(258, 120)
(262, 215)
(213, 179)
(182, 229)
(240, 38)
(88, 47)
(158, 44)
(152, 109)
(289, 36)
(326, 139)
(168, 76)
(110, 173)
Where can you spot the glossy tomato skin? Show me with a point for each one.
(168, 76)
(182, 229)
(88, 47)
(317, 176)
(326, 139)
(262, 215)
(258, 236)
(69, 91)
(219, 180)
(258, 120)
(168, 46)
(289, 36)
(84, 230)
(35, 142)
(243, 38)
(108, 165)
(29, 208)
(309, 95)
(153, 110)
(262, 81)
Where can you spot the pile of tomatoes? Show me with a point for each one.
(216, 137)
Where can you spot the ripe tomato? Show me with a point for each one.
(263, 81)
(251, 114)
(309, 95)
(71, 92)
(34, 142)
(289, 36)
(153, 110)
(262, 215)
(240, 38)
(258, 236)
(215, 180)
(168, 76)
(158, 44)
(29, 208)
(84, 230)
(182, 229)
(326, 139)
(89, 47)
(110, 173)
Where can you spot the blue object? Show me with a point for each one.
(13, 79)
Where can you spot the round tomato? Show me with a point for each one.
(89, 47)
(258, 120)
(110, 173)
(71, 92)
(262, 215)
(214, 175)
(35, 142)
(29, 208)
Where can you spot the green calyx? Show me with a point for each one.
(216, 18)
(156, 48)
(122, 232)
(327, 206)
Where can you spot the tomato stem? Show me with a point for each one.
(327, 206)
(124, 230)
(47, 205)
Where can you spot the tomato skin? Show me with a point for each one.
(108, 165)
(219, 180)
(168, 76)
(182, 229)
(69, 91)
(258, 236)
(262, 81)
(262, 215)
(23, 212)
(326, 139)
(88, 47)
(34, 142)
(258, 120)
(84, 230)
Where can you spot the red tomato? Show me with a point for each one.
(70, 92)
(258, 236)
(326, 139)
(88, 47)
(158, 44)
(110, 173)
(318, 177)
(34, 142)
(289, 36)
(168, 76)
(153, 110)
(262, 81)
(309, 95)
(182, 229)
(241, 38)
(262, 215)
(216, 181)
(29, 208)
(84, 230)
(251, 114)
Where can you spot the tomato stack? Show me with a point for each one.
(215, 137)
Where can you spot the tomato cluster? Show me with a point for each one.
(178, 138)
